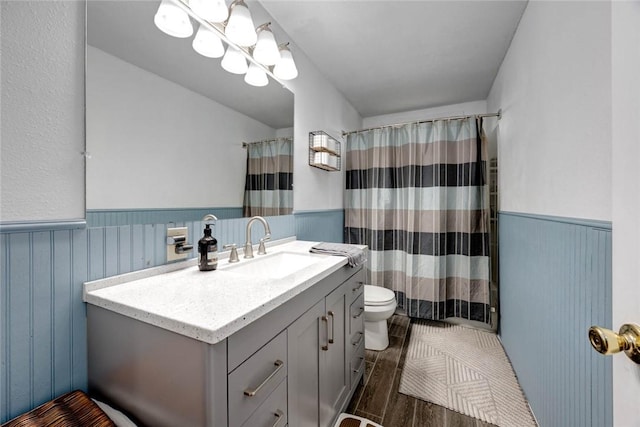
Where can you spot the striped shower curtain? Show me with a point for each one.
(417, 195)
(268, 187)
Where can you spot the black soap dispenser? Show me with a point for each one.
(208, 250)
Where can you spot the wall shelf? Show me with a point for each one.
(324, 151)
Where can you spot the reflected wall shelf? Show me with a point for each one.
(324, 151)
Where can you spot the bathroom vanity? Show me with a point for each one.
(276, 340)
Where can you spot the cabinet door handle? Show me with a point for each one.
(355, 316)
(361, 363)
(357, 288)
(252, 391)
(333, 324)
(279, 417)
(357, 343)
(325, 319)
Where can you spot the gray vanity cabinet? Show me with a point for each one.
(293, 366)
(303, 352)
(334, 373)
(319, 360)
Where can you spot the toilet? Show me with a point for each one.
(379, 305)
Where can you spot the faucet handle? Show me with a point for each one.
(261, 248)
(233, 256)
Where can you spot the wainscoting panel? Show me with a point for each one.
(320, 226)
(43, 319)
(555, 282)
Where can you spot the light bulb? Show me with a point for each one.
(173, 20)
(234, 62)
(207, 43)
(266, 51)
(210, 10)
(285, 69)
(256, 76)
(240, 29)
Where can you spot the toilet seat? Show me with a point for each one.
(377, 296)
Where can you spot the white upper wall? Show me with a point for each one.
(554, 88)
(42, 111)
(149, 153)
(318, 106)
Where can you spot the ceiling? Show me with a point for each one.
(395, 56)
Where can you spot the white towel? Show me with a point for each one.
(354, 255)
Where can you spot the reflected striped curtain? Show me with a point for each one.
(268, 187)
(418, 197)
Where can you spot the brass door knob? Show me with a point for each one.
(608, 342)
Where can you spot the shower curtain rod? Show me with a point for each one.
(282, 138)
(498, 115)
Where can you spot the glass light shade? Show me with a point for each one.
(207, 43)
(266, 51)
(210, 10)
(234, 62)
(240, 29)
(285, 69)
(256, 76)
(172, 20)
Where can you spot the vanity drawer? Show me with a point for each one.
(357, 286)
(356, 315)
(273, 411)
(356, 341)
(357, 364)
(255, 379)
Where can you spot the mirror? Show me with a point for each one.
(165, 125)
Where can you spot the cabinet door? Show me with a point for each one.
(334, 369)
(303, 348)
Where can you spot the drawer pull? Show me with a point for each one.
(325, 319)
(333, 324)
(358, 341)
(357, 288)
(361, 364)
(279, 417)
(355, 316)
(252, 391)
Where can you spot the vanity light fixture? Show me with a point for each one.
(234, 62)
(286, 68)
(207, 43)
(172, 20)
(256, 76)
(240, 29)
(210, 10)
(266, 51)
(258, 46)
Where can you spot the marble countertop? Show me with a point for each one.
(208, 306)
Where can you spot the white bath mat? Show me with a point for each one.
(465, 370)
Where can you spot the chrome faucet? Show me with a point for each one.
(248, 249)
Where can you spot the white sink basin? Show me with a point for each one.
(274, 266)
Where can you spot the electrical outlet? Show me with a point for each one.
(173, 234)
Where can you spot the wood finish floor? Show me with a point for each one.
(378, 398)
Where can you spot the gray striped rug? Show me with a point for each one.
(465, 370)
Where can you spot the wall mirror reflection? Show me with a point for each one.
(166, 126)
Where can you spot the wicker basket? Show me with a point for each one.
(73, 409)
